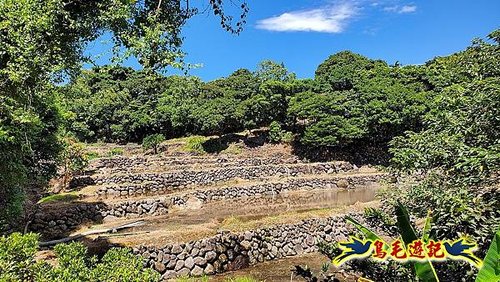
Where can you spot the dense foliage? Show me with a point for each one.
(119, 104)
(42, 42)
(18, 263)
(358, 99)
(461, 135)
(457, 152)
(442, 121)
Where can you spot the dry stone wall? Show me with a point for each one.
(230, 251)
(56, 222)
(274, 188)
(53, 223)
(146, 183)
(124, 164)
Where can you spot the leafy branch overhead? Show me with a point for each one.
(42, 43)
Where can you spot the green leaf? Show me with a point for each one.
(427, 227)
(491, 265)
(365, 230)
(424, 269)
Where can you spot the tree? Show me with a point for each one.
(356, 99)
(461, 130)
(42, 41)
(457, 151)
(73, 159)
(152, 142)
(269, 70)
(343, 71)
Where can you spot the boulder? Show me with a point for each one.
(160, 267)
(210, 256)
(179, 265)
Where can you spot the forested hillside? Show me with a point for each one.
(116, 104)
(437, 123)
(440, 120)
(353, 100)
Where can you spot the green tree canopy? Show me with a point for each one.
(42, 42)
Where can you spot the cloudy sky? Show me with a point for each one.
(303, 33)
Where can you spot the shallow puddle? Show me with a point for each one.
(281, 270)
(253, 208)
(199, 221)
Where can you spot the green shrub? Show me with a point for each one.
(195, 144)
(120, 264)
(115, 152)
(65, 197)
(278, 135)
(17, 257)
(152, 142)
(17, 262)
(275, 132)
(73, 158)
(92, 155)
(456, 211)
(287, 137)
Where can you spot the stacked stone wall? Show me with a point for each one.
(230, 251)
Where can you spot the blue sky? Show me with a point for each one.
(302, 34)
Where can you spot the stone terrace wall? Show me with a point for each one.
(56, 222)
(170, 181)
(229, 251)
(273, 188)
(266, 188)
(53, 223)
(122, 164)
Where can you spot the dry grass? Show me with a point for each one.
(243, 223)
(166, 230)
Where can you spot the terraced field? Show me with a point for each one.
(209, 214)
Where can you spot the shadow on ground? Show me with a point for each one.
(60, 219)
(253, 140)
(360, 153)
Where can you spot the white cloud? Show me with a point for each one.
(408, 9)
(401, 10)
(330, 19)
